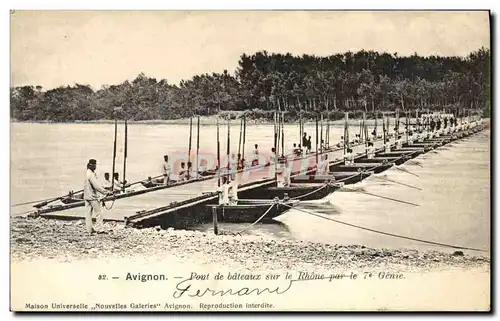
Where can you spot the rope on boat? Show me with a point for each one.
(403, 184)
(104, 204)
(309, 193)
(257, 221)
(406, 171)
(415, 163)
(387, 233)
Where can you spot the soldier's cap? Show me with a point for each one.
(92, 161)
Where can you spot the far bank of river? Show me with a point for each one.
(212, 120)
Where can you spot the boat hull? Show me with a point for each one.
(381, 160)
(249, 211)
(304, 192)
(350, 177)
(356, 167)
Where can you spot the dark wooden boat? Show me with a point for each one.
(425, 146)
(381, 159)
(249, 211)
(304, 192)
(73, 202)
(312, 179)
(350, 177)
(156, 182)
(357, 167)
(396, 153)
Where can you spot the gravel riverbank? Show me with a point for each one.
(67, 241)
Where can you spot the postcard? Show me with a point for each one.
(206, 161)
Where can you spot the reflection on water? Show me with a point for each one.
(49, 160)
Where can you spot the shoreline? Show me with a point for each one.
(66, 241)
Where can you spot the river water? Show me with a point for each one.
(453, 182)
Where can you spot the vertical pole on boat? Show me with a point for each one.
(125, 156)
(346, 131)
(244, 136)
(428, 120)
(198, 147)
(190, 138)
(282, 134)
(396, 123)
(417, 121)
(407, 126)
(383, 126)
(114, 152)
(300, 128)
(321, 135)
(375, 127)
(388, 124)
(275, 134)
(360, 134)
(316, 139)
(365, 128)
(214, 218)
(327, 134)
(228, 150)
(241, 134)
(275, 147)
(218, 155)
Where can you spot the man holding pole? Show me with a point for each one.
(92, 202)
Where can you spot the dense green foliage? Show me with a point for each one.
(365, 81)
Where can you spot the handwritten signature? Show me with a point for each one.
(185, 287)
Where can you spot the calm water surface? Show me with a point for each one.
(49, 160)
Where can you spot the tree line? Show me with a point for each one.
(365, 81)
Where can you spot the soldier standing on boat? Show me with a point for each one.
(224, 191)
(399, 142)
(323, 166)
(117, 186)
(304, 141)
(107, 182)
(255, 159)
(272, 160)
(370, 151)
(387, 146)
(349, 157)
(341, 143)
(166, 170)
(233, 164)
(233, 193)
(182, 172)
(92, 202)
(189, 172)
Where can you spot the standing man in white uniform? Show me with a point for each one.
(91, 187)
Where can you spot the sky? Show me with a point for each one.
(53, 48)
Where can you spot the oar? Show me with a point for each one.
(44, 201)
